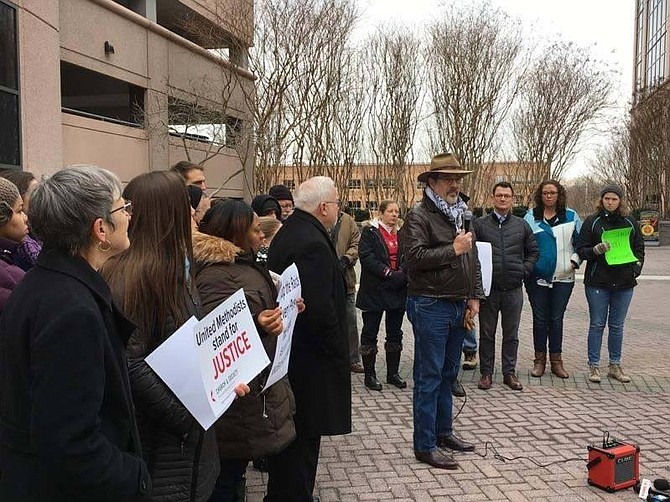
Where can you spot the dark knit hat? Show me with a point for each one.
(613, 188)
(8, 195)
(264, 205)
(194, 195)
(281, 192)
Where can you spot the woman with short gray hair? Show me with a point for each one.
(67, 424)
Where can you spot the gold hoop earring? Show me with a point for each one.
(104, 249)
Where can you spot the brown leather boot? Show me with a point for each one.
(539, 364)
(557, 368)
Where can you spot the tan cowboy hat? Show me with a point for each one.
(443, 163)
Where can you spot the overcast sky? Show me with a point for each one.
(605, 25)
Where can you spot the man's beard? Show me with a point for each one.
(452, 197)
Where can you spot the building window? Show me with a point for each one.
(10, 136)
(370, 183)
(354, 204)
(373, 205)
(656, 35)
(639, 45)
(94, 95)
(197, 123)
(290, 184)
(355, 184)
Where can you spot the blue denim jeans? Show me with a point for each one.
(470, 340)
(548, 306)
(438, 340)
(609, 307)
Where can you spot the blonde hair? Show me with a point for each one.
(269, 226)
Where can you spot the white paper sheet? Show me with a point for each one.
(485, 253)
(289, 292)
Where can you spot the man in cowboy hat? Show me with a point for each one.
(444, 279)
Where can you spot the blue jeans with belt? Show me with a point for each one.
(438, 340)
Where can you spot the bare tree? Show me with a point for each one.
(476, 62)
(301, 58)
(395, 99)
(563, 96)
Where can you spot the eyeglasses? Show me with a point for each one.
(127, 207)
(550, 194)
(503, 196)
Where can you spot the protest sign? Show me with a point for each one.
(203, 361)
(620, 251)
(289, 292)
(229, 350)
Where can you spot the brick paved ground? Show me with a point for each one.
(551, 419)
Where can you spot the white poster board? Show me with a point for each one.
(289, 292)
(229, 350)
(485, 254)
(202, 362)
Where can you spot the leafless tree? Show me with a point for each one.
(394, 84)
(564, 94)
(301, 59)
(476, 62)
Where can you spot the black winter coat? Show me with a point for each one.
(255, 425)
(67, 420)
(182, 457)
(598, 271)
(319, 368)
(514, 249)
(378, 293)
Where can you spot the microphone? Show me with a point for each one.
(467, 220)
(662, 484)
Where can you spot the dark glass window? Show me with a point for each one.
(91, 94)
(8, 76)
(10, 141)
(9, 131)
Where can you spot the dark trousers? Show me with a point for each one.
(231, 483)
(294, 471)
(372, 321)
(508, 304)
(548, 306)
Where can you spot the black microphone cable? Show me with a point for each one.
(488, 445)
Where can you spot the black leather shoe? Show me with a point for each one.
(372, 383)
(396, 380)
(453, 443)
(436, 459)
(457, 389)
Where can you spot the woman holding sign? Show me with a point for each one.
(152, 283)
(260, 424)
(613, 246)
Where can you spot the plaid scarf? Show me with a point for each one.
(453, 212)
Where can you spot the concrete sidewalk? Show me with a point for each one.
(550, 420)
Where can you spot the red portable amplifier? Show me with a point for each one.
(614, 466)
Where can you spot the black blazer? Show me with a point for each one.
(67, 421)
(319, 368)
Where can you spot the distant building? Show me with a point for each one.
(104, 82)
(649, 175)
(368, 184)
